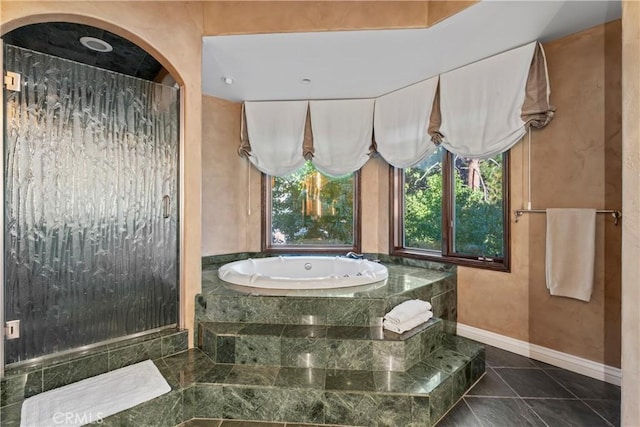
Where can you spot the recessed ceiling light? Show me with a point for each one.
(227, 80)
(305, 81)
(98, 45)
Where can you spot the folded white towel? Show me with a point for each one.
(409, 324)
(407, 310)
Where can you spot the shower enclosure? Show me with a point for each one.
(91, 196)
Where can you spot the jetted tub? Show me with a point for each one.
(303, 272)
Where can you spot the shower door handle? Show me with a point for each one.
(166, 206)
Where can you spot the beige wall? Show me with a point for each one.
(231, 201)
(179, 51)
(631, 208)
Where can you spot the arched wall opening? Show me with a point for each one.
(179, 53)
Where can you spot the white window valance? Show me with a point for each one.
(342, 134)
(486, 107)
(400, 124)
(476, 111)
(273, 135)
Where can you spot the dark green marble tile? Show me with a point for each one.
(224, 328)
(70, 372)
(258, 309)
(412, 351)
(125, 356)
(15, 388)
(349, 354)
(342, 380)
(301, 378)
(301, 407)
(217, 374)
(252, 375)
(350, 408)
(10, 415)
(163, 411)
(388, 356)
(461, 381)
(393, 411)
(274, 330)
(304, 331)
(258, 350)
(427, 377)
(303, 311)
(248, 403)
(432, 339)
(350, 332)
(420, 415)
(225, 349)
(478, 366)
(304, 352)
(349, 312)
(447, 360)
(445, 306)
(394, 382)
(440, 399)
(187, 367)
(208, 343)
(201, 423)
(168, 374)
(462, 345)
(175, 343)
(204, 401)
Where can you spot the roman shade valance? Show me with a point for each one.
(401, 120)
(272, 135)
(342, 134)
(486, 107)
(476, 111)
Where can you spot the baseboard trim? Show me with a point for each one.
(566, 361)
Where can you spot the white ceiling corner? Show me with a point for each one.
(370, 63)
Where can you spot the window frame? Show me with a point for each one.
(268, 247)
(446, 254)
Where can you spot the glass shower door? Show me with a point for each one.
(91, 196)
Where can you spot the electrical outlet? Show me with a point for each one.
(12, 329)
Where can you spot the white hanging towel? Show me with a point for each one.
(570, 252)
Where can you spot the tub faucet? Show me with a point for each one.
(354, 255)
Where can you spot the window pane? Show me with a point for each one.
(478, 207)
(309, 208)
(423, 204)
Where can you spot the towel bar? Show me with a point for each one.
(614, 213)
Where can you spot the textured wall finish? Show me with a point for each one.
(631, 210)
(251, 17)
(227, 197)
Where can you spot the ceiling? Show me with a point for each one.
(370, 63)
(62, 39)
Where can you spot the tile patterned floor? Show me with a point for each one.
(516, 391)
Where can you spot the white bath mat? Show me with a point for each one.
(95, 398)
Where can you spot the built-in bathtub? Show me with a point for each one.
(303, 272)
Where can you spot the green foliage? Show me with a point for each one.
(478, 211)
(311, 208)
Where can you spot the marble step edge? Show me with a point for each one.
(436, 383)
(350, 348)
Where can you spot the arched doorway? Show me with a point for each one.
(91, 199)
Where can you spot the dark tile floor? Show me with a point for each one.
(516, 391)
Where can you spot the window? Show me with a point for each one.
(307, 211)
(449, 208)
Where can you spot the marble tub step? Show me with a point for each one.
(319, 346)
(418, 397)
